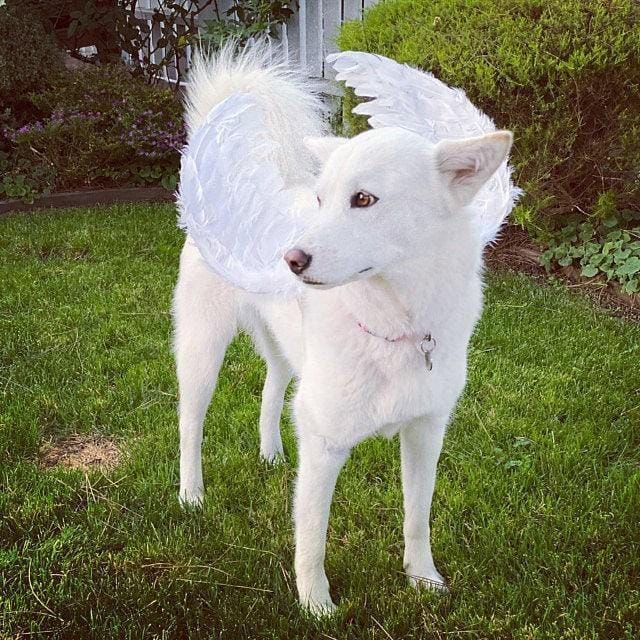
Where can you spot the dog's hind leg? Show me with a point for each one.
(205, 318)
(420, 445)
(275, 384)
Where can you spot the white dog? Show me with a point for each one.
(392, 265)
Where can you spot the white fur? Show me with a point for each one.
(424, 260)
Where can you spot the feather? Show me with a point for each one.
(232, 201)
(402, 96)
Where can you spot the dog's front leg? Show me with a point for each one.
(420, 445)
(318, 469)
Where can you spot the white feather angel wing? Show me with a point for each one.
(418, 101)
(232, 199)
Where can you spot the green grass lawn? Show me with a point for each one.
(535, 518)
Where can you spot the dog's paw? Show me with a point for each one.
(319, 607)
(272, 455)
(315, 597)
(427, 579)
(191, 498)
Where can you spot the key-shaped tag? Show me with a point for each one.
(427, 345)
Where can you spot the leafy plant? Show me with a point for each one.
(17, 187)
(601, 246)
(166, 176)
(21, 180)
(178, 24)
(517, 454)
(247, 19)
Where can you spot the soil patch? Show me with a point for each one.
(76, 254)
(81, 452)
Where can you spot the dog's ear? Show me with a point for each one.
(467, 164)
(323, 147)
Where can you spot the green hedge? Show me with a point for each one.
(563, 74)
(29, 61)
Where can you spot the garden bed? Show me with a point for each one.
(516, 251)
(93, 128)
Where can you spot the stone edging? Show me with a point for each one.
(89, 198)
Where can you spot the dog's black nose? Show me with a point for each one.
(297, 260)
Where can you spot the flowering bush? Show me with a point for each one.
(101, 128)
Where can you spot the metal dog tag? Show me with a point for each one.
(427, 345)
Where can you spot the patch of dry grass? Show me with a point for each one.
(79, 451)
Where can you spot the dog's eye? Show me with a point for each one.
(363, 199)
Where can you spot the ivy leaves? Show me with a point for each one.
(608, 247)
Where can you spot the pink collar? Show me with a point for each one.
(425, 344)
(404, 336)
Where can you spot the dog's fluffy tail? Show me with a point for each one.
(290, 104)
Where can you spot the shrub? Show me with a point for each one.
(563, 74)
(102, 127)
(30, 61)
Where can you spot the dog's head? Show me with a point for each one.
(385, 197)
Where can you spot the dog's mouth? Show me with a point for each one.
(319, 283)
